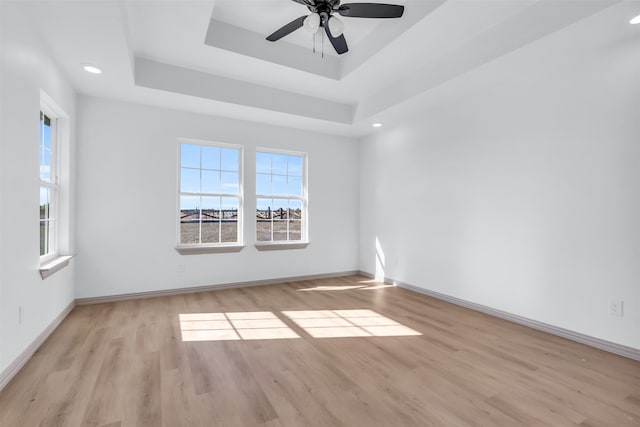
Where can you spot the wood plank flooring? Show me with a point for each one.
(126, 364)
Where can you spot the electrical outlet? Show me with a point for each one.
(181, 268)
(615, 307)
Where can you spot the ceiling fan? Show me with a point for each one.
(322, 15)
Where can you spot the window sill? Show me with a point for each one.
(270, 246)
(218, 249)
(54, 265)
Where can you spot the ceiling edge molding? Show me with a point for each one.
(535, 22)
(171, 78)
(238, 40)
(126, 25)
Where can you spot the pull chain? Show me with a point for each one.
(314, 43)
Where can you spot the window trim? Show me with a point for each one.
(285, 244)
(198, 248)
(54, 184)
(280, 245)
(53, 262)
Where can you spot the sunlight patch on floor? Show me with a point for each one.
(348, 323)
(380, 286)
(331, 288)
(265, 325)
(252, 325)
(374, 285)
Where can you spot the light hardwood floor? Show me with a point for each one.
(126, 364)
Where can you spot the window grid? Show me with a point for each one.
(48, 186)
(218, 206)
(291, 207)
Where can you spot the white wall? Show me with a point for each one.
(26, 69)
(519, 187)
(126, 229)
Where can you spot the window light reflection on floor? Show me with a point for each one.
(331, 288)
(373, 286)
(252, 325)
(348, 323)
(265, 325)
(378, 286)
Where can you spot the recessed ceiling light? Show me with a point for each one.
(635, 20)
(91, 69)
(377, 125)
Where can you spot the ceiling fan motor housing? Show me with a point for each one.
(325, 9)
(329, 4)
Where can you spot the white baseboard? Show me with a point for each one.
(611, 347)
(195, 289)
(23, 358)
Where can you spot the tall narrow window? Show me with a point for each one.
(48, 186)
(281, 197)
(210, 194)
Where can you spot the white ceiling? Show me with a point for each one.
(392, 68)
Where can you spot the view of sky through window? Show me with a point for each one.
(279, 196)
(209, 194)
(47, 186)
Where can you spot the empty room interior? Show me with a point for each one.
(320, 213)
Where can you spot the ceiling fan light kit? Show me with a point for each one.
(312, 23)
(336, 26)
(322, 16)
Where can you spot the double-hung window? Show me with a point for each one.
(209, 194)
(48, 186)
(54, 149)
(281, 197)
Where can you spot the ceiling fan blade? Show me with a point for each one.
(287, 29)
(339, 43)
(305, 2)
(371, 10)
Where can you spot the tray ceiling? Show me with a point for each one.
(184, 55)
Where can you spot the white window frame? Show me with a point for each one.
(195, 248)
(61, 247)
(304, 237)
(53, 185)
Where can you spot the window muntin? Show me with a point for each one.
(48, 186)
(210, 194)
(281, 202)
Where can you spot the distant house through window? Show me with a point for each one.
(281, 197)
(210, 194)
